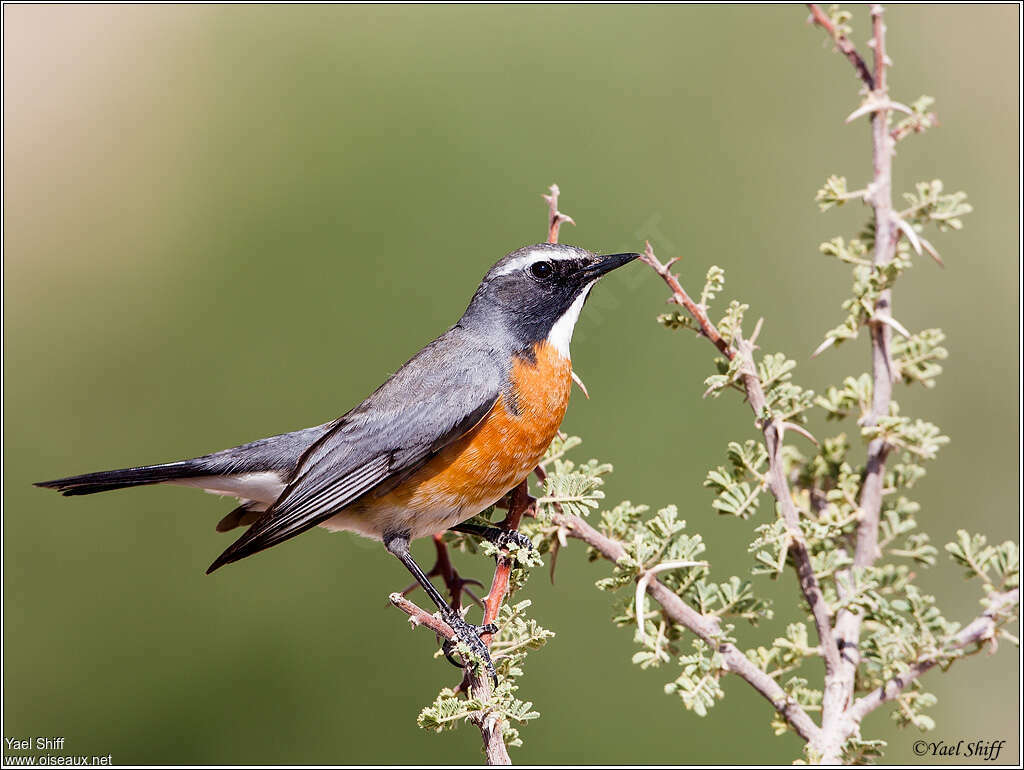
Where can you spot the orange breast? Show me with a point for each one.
(480, 467)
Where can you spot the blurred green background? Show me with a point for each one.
(227, 222)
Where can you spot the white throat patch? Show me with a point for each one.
(561, 333)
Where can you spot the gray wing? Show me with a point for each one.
(438, 396)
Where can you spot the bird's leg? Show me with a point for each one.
(500, 537)
(398, 544)
(453, 581)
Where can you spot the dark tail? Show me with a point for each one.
(104, 481)
(274, 453)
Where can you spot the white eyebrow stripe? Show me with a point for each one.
(532, 256)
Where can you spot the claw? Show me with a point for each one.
(469, 635)
(446, 648)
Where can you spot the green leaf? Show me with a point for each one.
(916, 358)
(677, 320)
(834, 193)
(930, 204)
(919, 121)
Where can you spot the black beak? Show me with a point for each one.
(606, 263)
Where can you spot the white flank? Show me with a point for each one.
(264, 487)
(561, 333)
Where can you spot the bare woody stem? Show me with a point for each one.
(839, 688)
(777, 483)
(886, 235)
(420, 617)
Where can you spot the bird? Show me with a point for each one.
(449, 434)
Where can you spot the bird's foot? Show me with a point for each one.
(505, 537)
(515, 537)
(500, 537)
(468, 634)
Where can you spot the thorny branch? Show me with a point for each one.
(841, 714)
(843, 43)
(777, 483)
(840, 684)
(979, 631)
(680, 297)
(420, 617)
(475, 679)
(520, 501)
(704, 626)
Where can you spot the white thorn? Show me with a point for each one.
(641, 589)
(909, 231)
(890, 321)
(865, 109)
(801, 430)
(578, 381)
(932, 252)
(823, 347)
(873, 104)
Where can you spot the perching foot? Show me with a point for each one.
(500, 537)
(469, 635)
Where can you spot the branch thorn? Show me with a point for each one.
(578, 381)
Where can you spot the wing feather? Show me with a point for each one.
(421, 409)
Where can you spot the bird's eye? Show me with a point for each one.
(541, 270)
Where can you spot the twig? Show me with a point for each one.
(680, 297)
(776, 478)
(487, 721)
(978, 631)
(420, 617)
(520, 503)
(843, 43)
(555, 217)
(475, 678)
(705, 626)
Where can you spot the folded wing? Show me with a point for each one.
(426, 405)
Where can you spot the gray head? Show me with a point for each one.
(537, 292)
